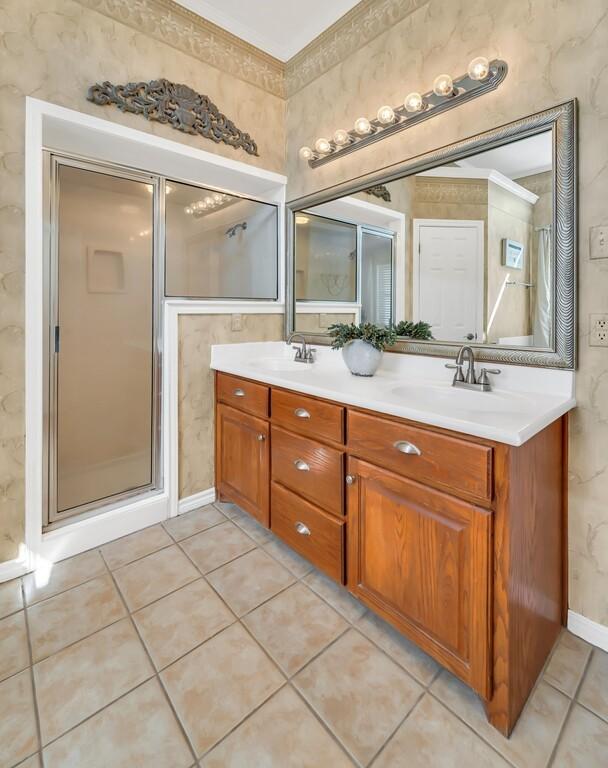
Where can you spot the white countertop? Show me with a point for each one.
(522, 402)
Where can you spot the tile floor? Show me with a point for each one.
(206, 642)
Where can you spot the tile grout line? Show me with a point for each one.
(32, 678)
(156, 674)
(389, 738)
(571, 704)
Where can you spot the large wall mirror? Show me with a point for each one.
(476, 239)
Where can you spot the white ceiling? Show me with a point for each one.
(518, 159)
(279, 27)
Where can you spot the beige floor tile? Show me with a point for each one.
(295, 626)
(252, 528)
(594, 690)
(217, 546)
(72, 615)
(336, 595)
(250, 580)
(31, 762)
(198, 520)
(179, 622)
(11, 599)
(218, 684)
(139, 544)
(283, 732)
(567, 663)
(137, 730)
(432, 737)
(537, 729)
(584, 742)
(80, 680)
(14, 651)
(399, 648)
(359, 692)
(62, 576)
(18, 737)
(228, 508)
(287, 557)
(154, 576)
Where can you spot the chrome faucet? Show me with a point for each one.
(470, 381)
(304, 353)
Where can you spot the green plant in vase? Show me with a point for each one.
(362, 345)
(409, 330)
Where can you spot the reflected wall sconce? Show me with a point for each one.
(481, 77)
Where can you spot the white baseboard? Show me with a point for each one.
(11, 569)
(591, 631)
(195, 501)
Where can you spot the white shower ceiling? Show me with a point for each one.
(279, 27)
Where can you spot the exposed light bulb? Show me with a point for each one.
(322, 146)
(305, 153)
(168, 189)
(414, 102)
(217, 197)
(209, 200)
(443, 85)
(479, 68)
(301, 219)
(363, 126)
(200, 205)
(188, 210)
(341, 137)
(386, 115)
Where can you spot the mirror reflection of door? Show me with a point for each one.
(377, 277)
(448, 277)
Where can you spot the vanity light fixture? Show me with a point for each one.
(481, 77)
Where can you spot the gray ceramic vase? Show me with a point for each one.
(361, 358)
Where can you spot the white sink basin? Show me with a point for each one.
(279, 365)
(454, 401)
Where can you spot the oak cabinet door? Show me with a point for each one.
(421, 559)
(243, 461)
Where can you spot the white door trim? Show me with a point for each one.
(476, 224)
(85, 533)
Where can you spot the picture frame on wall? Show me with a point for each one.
(512, 254)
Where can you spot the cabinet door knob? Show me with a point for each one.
(406, 447)
(302, 529)
(261, 438)
(301, 466)
(350, 479)
(302, 413)
(239, 392)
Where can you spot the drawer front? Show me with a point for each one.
(242, 394)
(448, 462)
(317, 536)
(308, 468)
(308, 416)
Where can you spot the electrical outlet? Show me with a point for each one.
(598, 242)
(598, 325)
(237, 322)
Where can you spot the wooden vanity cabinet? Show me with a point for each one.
(457, 541)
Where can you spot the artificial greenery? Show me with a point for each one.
(411, 330)
(379, 337)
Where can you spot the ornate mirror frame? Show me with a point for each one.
(561, 120)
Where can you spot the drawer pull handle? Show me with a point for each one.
(261, 438)
(405, 447)
(239, 392)
(350, 479)
(302, 529)
(301, 466)
(302, 413)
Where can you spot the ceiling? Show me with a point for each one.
(279, 27)
(520, 158)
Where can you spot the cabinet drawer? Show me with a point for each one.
(317, 536)
(309, 468)
(308, 416)
(457, 465)
(242, 394)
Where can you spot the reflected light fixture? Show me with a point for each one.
(207, 204)
(482, 76)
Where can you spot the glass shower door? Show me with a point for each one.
(103, 372)
(376, 276)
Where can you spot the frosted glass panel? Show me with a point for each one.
(104, 366)
(219, 246)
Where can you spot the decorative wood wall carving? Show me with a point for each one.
(178, 105)
(379, 191)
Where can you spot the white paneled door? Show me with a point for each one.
(448, 278)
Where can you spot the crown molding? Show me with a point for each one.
(351, 32)
(174, 25)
